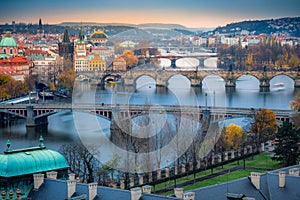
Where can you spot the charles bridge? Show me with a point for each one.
(36, 114)
(195, 77)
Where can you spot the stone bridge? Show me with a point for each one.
(36, 114)
(196, 78)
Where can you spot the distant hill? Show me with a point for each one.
(287, 26)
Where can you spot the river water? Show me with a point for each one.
(63, 129)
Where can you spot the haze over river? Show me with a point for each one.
(63, 130)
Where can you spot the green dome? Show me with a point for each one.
(30, 161)
(8, 41)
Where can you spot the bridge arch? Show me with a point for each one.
(247, 77)
(148, 81)
(191, 62)
(151, 75)
(182, 76)
(106, 76)
(41, 85)
(287, 80)
(213, 80)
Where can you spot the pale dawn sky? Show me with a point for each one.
(190, 13)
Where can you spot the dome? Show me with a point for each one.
(8, 41)
(98, 35)
(30, 161)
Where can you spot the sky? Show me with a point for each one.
(190, 13)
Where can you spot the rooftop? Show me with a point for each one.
(30, 161)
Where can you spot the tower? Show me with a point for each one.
(66, 50)
(40, 28)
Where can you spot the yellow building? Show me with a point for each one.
(96, 64)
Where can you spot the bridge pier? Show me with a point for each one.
(173, 62)
(264, 85)
(30, 121)
(297, 82)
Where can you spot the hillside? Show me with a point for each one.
(286, 26)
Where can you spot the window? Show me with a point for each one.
(11, 51)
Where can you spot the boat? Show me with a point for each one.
(279, 86)
(46, 95)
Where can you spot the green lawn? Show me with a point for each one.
(259, 161)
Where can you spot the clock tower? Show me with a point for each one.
(80, 47)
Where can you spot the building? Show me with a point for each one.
(16, 67)
(277, 185)
(18, 169)
(66, 50)
(81, 54)
(8, 45)
(96, 64)
(38, 173)
(98, 37)
(119, 64)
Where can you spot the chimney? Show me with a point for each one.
(255, 179)
(136, 193)
(52, 175)
(281, 179)
(11, 195)
(71, 176)
(189, 196)
(3, 194)
(146, 189)
(92, 190)
(178, 192)
(18, 194)
(294, 172)
(71, 184)
(38, 180)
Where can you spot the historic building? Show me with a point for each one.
(96, 64)
(66, 50)
(22, 169)
(8, 45)
(119, 64)
(81, 54)
(16, 67)
(98, 37)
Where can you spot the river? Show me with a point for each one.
(63, 130)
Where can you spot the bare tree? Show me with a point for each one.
(81, 161)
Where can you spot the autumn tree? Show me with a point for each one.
(130, 58)
(264, 126)
(66, 79)
(235, 136)
(10, 88)
(295, 105)
(287, 144)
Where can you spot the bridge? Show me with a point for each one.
(36, 114)
(200, 56)
(195, 77)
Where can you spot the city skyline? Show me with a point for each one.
(190, 13)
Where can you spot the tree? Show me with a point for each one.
(81, 160)
(235, 136)
(287, 144)
(130, 58)
(295, 105)
(264, 126)
(66, 79)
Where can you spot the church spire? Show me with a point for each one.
(81, 36)
(66, 38)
